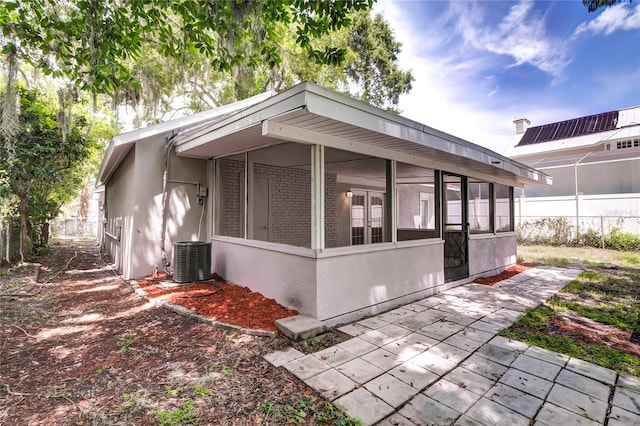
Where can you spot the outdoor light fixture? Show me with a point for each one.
(349, 193)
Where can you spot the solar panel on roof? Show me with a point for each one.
(570, 128)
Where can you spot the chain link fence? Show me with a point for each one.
(58, 228)
(614, 232)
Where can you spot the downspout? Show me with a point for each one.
(165, 177)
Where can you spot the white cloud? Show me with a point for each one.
(521, 34)
(612, 19)
(462, 86)
(446, 81)
(456, 80)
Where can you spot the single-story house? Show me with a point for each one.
(330, 206)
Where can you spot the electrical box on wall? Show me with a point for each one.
(202, 192)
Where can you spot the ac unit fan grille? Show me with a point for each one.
(191, 261)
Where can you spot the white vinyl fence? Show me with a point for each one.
(74, 227)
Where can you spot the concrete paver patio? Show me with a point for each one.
(439, 361)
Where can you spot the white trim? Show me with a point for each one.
(122, 143)
(188, 121)
(325, 253)
(287, 132)
(393, 208)
(317, 197)
(419, 243)
(265, 245)
(245, 194)
(110, 235)
(500, 234)
(361, 248)
(343, 109)
(490, 235)
(249, 194)
(235, 123)
(211, 200)
(483, 235)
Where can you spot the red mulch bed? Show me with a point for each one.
(507, 273)
(220, 301)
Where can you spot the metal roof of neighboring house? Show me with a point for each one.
(120, 145)
(596, 123)
(612, 156)
(575, 135)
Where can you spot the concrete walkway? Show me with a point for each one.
(439, 361)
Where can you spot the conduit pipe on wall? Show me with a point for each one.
(165, 178)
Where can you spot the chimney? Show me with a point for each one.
(521, 125)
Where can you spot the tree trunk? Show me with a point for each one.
(44, 233)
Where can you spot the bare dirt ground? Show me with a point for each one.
(87, 350)
(600, 310)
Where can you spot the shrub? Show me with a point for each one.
(553, 231)
(590, 238)
(617, 240)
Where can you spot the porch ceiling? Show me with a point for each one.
(312, 115)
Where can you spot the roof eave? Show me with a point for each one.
(121, 144)
(319, 101)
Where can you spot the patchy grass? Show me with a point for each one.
(592, 317)
(306, 410)
(186, 414)
(577, 256)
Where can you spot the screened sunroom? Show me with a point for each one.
(339, 209)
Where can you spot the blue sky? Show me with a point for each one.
(480, 64)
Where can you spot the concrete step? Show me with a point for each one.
(300, 327)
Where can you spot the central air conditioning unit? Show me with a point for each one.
(191, 261)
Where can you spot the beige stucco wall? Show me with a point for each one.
(134, 195)
(119, 214)
(489, 253)
(351, 283)
(288, 278)
(182, 209)
(359, 284)
(335, 288)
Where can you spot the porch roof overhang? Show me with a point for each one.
(310, 114)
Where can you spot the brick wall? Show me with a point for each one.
(231, 193)
(289, 204)
(330, 211)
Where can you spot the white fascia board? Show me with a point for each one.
(287, 132)
(112, 158)
(624, 133)
(343, 108)
(376, 120)
(628, 116)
